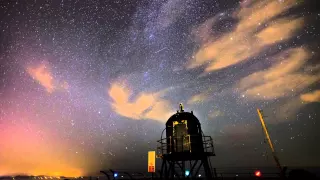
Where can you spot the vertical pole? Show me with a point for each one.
(190, 165)
(207, 168)
(170, 139)
(172, 167)
(162, 168)
(166, 170)
(265, 130)
(189, 143)
(269, 141)
(215, 172)
(183, 168)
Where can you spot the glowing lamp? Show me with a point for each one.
(187, 173)
(115, 175)
(257, 173)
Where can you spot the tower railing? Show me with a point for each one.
(208, 144)
(167, 145)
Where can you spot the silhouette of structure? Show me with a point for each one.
(185, 149)
(301, 174)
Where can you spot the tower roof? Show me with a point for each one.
(189, 116)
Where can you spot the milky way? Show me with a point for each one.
(88, 85)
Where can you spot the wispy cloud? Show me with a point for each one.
(254, 32)
(198, 98)
(43, 75)
(281, 79)
(145, 105)
(286, 110)
(311, 97)
(215, 113)
(170, 12)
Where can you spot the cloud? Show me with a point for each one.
(161, 111)
(311, 97)
(43, 75)
(237, 134)
(145, 105)
(198, 98)
(313, 68)
(238, 129)
(204, 96)
(170, 12)
(246, 40)
(215, 113)
(281, 79)
(286, 110)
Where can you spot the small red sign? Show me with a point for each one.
(151, 169)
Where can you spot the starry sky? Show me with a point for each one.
(87, 85)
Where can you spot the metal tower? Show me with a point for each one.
(185, 149)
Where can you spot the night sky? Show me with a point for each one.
(87, 85)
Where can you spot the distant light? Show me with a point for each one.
(199, 175)
(187, 172)
(115, 175)
(257, 173)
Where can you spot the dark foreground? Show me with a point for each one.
(103, 178)
(222, 174)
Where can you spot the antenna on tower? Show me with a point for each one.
(181, 107)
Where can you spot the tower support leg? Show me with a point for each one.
(174, 170)
(207, 169)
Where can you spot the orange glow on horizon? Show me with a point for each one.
(26, 152)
